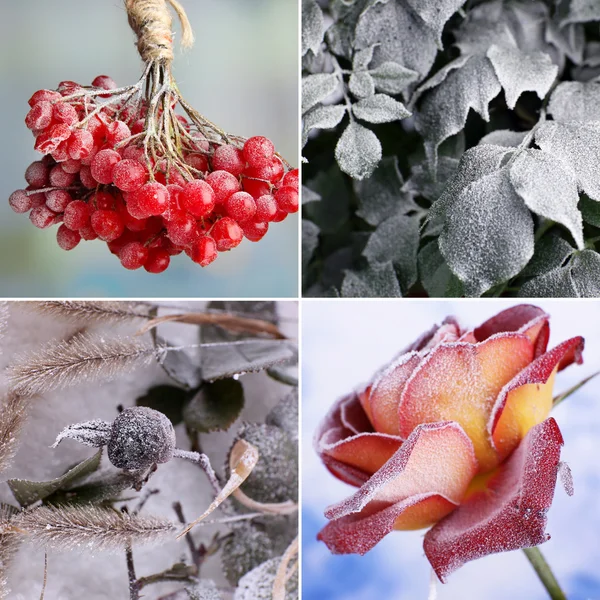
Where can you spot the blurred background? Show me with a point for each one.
(242, 74)
(344, 343)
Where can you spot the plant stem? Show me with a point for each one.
(542, 568)
(134, 589)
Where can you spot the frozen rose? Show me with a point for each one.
(453, 433)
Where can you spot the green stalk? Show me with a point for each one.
(544, 572)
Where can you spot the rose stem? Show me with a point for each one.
(544, 572)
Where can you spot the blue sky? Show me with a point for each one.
(343, 344)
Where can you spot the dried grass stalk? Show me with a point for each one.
(13, 413)
(92, 527)
(9, 544)
(83, 358)
(82, 311)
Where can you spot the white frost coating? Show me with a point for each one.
(575, 101)
(321, 117)
(380, 108)
(503, 137)
(206, 589)
(258, 583)
(316, 88)
(519, 72)
(313, 26)
(94, 433)
(361, 84)
(375, 281)
(358, 151)
(566, 477)
(581, 11)
(548, 190)
(393, 78)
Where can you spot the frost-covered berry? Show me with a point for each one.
(140, 437)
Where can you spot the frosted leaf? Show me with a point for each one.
(94, 433)
(249, 546)
(358, 151)
(519, 72)
(258, 583)
(362, 58)
(578, 146)
(568, 39)
(488, 233)
(393, 78)
(548, 190)
(285, 415)
(205, 589)
(361, 84)
(566, 477)
(504, 137)
(437, 278)
(373, 281)
(380, 196)
(582, 11)
(321, 117)
(435, 13)
(444, 110)
(402, 36)
(316, 88)
(550, 253)
(380, 108)
(313, 26)
(340, 36)
(579, 278)
(396, 240)
(431, 185)
(332, 211)
(309, 195)
(440, 76)
(590, 211)
(575, 101)
(310, 241)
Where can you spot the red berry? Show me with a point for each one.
(204, 250)
(227, 234)
(42, 217)
(138, 126)
(224, 184)
(80, 144)
(103, 165)
(63, 112)
(116, 132)
(258, 151)
(66, 238)
(66, 88)
(60, 154)
(85, 176)
(38, 199)
(71, 166)
(97, 128)
(287, 199)
(291, 179)
(255, 187)
(198, 198)
(58, 200)
(158, 260)
(254, 231)
(20, 202)
(182, 229)
(229, 158)
(40, 116)
(241, 206)
(60, 178)
(133, 255)
(108, 224)
(49, 141)
(104, 82)
(266, 208)
(197, 161)
(36, 174)
(151, 199)
(281, 215)
(44, 96)
(77, 215)
(87, 233)
(129, 175)
(135, 152)
(273, 172)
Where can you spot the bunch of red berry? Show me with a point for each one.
(100, 178)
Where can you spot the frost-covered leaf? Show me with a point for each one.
(285, 415)
(579, 278)
(332, 211)
(310, 241)
(504, 137)
(582, 11)
(309, 195)
(362, 58)
(373, 281)
(578, 146)
(341, 34)
(182, 366)
(100, 487)
(275, 476)
(215, 407)
(396, 240)
(392, 78)
(437, 278)
(380, 108)
(205, 589)
(321, 117)
(488, 233)
(519, 72)
(313, 26)
(551, 252)
(575, 101)
(358, 151)
(590, 211)
(444, 110)
(380, 195)
(258, 583)
(548, 190)
(166, 399)
(315, 88)
(30, 492)
(361, 84)
(435, 12)
(427, 184)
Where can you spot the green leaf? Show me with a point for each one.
(102, 488)
(380, 108)
(590, 210)
(372, 281)
(358, 151)
(437, 278)
(551, 252)
(215, 407)
(29, 492)
(182, 366)
(166, 399)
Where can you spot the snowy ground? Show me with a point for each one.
(74, 575)
(343, 344)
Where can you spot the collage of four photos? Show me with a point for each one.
(299, 299)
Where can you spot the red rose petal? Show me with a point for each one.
(511, 319)
(510, 515)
